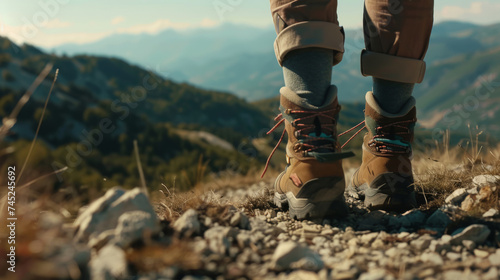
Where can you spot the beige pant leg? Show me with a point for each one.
(397, 35)
(306, 23)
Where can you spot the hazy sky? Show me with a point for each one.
(52, 22)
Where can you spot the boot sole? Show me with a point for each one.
(318, 201)
(379, 196)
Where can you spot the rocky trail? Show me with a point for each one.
(239, 234)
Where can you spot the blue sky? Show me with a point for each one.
(52, 22)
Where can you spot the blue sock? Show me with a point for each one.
(308, 73)
(391, 96)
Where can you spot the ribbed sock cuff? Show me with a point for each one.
(308, 73)
(391, 96)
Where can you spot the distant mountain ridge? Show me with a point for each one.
(174, 54)
(100, 105)
(240, 59)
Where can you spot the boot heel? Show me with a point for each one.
(391, 191)
(318, 198)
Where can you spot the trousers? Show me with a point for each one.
(396, 34)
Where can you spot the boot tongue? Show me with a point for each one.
(317, 127)
(397, 126)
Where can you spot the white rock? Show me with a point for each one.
(134, 225)
(481, 253)
(477, 233)
(457, 196)
(199, 246)
(345, 265)
(325, 252)
(421, 243)
(301, 274)
(495, 259)
(102, 239)
(374, 274)
(403, 235)
(327, 231)
(469, 244)
(219, 238)
(207, 222)
(446, 238)
(369, 237)
(453, 275)
(433, 258)
(492, 274)
(482, 180)
(402, 245)
(103, 214)
(353, 242)
(243, 239)
(283, 226)
(257, 224)
(490, 213)
(392, 252)
(319, 240)
(109, 263)
(453, 256)
(473, 190)
(290, 254)
(439, 245)
(240, 220)
(188, 223)
(378, 244)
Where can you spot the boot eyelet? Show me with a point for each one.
(297, 147)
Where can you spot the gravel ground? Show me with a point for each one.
(239, 234)
(434, 244)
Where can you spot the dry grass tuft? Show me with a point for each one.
(261, 201)
(172, 205)
(442, 170)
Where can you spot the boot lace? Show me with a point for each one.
(308, 140)
(388, 138)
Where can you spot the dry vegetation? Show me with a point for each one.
(444, 169)
(171, 204)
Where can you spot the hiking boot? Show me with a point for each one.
(312, 185)
(385, 177)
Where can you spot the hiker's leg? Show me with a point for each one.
(397, 35)
(308, 44)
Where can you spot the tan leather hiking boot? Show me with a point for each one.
(312, 185)
(385, 177)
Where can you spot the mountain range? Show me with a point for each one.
(240, 59)
(99, 105)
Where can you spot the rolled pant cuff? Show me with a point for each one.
(309, 34)
(392, 68)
